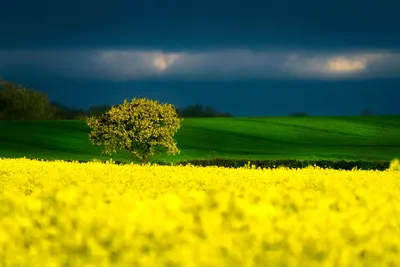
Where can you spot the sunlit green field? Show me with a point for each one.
(350, 138)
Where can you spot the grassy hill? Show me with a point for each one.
(242, 138)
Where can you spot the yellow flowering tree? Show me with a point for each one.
(139, 127)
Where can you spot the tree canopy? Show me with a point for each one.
(139, 127)
(19, 103)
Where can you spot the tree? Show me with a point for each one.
(367, 112)
(98, 110)
(140, 127)
(200, 111)
(299, 114)
(19, 103)
(62, 112)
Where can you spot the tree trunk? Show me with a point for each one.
(144, 159)
(146, 155)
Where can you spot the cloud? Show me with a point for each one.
(202, 24)
(162, 62)
(124, 65)
(355, 65)
(342, 64)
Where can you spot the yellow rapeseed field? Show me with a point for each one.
(70, 214)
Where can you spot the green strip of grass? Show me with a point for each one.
(332, 138)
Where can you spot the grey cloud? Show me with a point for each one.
(124, 65)
(74, 64)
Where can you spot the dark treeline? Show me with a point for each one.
(298, 114)
(198, 110)
(19, 103)
(192, 111)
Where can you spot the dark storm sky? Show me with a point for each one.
(243, 57)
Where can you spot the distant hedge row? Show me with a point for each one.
(292, 164)
(272, 164)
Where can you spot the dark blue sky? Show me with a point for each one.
(243, 57)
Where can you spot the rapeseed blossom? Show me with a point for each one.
(94, 214)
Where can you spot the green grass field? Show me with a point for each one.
(349, 138)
